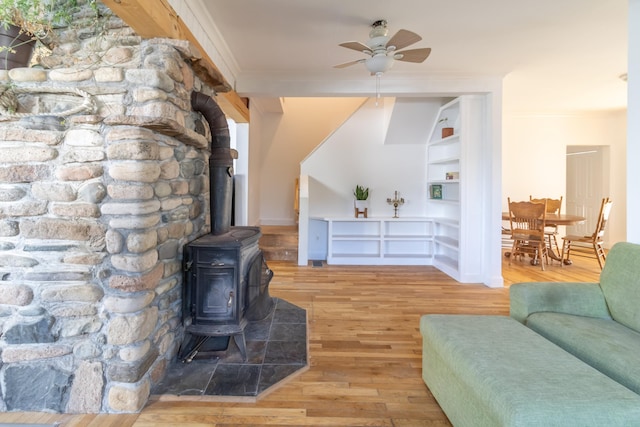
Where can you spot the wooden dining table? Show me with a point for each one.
(558, 219)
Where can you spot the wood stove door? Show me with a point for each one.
(216, 299)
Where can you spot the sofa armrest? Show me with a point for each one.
(581, 299)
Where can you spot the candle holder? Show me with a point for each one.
(396, 202)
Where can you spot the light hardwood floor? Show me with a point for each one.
(365, 350)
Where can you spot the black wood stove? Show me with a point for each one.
(226, 278)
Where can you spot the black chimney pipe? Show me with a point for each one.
(220, 162)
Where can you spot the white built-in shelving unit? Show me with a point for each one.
(456, 187)
(380, 241)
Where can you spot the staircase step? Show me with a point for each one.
(279, 243)
(280, 254)
(279, 240)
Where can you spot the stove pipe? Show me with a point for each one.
(220, 162)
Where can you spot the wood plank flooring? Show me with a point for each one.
(365, 350)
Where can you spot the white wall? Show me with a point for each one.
(240, 141)
(357, 154)
(407, 124)
(534, 162)
(255, 149)
(285, 139)
(633, 129)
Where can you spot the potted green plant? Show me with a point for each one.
(361, 193)
(23, 22)
(361, 203)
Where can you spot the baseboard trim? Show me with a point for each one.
(277, 222)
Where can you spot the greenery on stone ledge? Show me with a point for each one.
(38, 17)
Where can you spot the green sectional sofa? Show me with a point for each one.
(568, 355)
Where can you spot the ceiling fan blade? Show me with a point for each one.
(403, 38)
(360, 47)
(348, 64)
(413, 55)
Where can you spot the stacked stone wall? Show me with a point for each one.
(95, 208)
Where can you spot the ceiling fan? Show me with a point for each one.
(384, 51)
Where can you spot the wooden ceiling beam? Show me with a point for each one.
(150, 19)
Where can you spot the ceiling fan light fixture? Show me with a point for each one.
(379, 63)
(379, 28)
(383, 50)
(377, 42)
(379, 35)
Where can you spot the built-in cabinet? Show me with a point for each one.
(455, 185)
(380, 241)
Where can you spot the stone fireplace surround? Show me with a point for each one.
(95, 208)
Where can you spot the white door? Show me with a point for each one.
(587, 184)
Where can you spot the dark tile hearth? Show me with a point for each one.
(276, 349)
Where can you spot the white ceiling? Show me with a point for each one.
(554, 55)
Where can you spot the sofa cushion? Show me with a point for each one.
(608, 346)
(620, 283)
(494, 371)
(581, 299)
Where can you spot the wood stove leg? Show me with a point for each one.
(242, 346)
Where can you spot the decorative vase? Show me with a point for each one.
(447, 132)
(17, 48)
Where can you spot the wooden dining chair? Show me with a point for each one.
(551, 230)
(527, 221)
(591, 246)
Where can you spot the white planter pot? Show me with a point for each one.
(361, 207)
